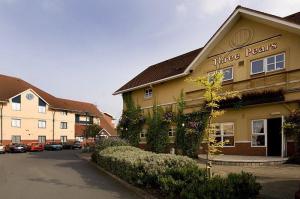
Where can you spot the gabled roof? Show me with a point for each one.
(12, 86)
(182, 65)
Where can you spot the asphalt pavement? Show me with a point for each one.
(56, 174)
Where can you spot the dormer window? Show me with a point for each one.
(148, 93)
(16, 103)
(42, 106)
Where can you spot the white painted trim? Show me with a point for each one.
(243, 141)
(231, 20)
(150, 83)
(105, 131)
(31, 90)
(234, 16)
(244, 90)
(283, 140)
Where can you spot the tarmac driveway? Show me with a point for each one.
(57, 174)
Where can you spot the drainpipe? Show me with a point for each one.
(53, 121)
(1, 118)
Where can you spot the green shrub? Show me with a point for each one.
(192, 183)
(174, 176)
(107, 142)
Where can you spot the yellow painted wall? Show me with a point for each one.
(289, 78)
(29, 116)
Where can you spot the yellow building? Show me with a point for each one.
(258, 54)
(28, 114)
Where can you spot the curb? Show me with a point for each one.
(136, 190)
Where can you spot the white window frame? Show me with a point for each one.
(264, 134)
(16, 106)
(172, 131)
(265, 64)
(143, 133)
(148, 93)
(12, 140)
(42, 122)
(61, 125)
(64, 113)
(17, 124)
(63, 139)
(222, 70)
(222, 136)
(43, 140)
(42, 109)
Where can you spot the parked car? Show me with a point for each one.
(53, 146)
(2, 149)
(35, 146)
(76, 145)
(17, 148)
(67, 145)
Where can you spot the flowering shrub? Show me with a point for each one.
(174, 176)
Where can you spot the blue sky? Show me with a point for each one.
(85, 50)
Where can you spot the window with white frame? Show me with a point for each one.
(42, 124)
(227, 74)
(64, 113)
(16, 139)
(148, 93)
(259, 132)
(171, 132)
(16, 103)
(224, 132)
(143, 133)
(63, 139)
(63, 125)
(16, 123)
(268, 64)
(42, 106)
(42, 139)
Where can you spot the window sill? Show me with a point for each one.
(262, 74)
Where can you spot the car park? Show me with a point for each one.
(2, 149)
(35, 146)
(17, 148)
(76, 145)
(53, 146)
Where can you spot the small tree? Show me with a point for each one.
(92, 130)
(213, 95)
(157, 136)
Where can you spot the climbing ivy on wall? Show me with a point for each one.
(158, 125)
(131, 122)
(189, 129)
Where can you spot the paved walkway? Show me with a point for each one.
(57, 174)
(279, 182)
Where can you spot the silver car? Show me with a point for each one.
(2, 148)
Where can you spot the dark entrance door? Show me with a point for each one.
(274, 136)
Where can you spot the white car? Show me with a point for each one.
(2, 148)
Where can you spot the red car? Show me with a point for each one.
(35, 146)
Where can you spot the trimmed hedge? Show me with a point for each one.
(107, 142)
(174, 176)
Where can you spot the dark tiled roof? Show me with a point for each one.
(168, 68)
(11, 86)
(295, 18)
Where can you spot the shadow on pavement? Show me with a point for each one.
(92, 177)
